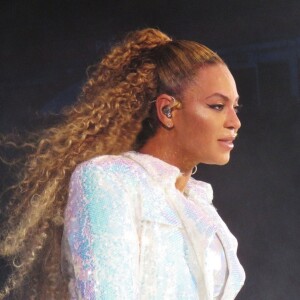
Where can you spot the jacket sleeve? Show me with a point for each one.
(101, 234)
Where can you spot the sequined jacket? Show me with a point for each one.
(130, 234)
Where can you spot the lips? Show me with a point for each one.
(227, 142)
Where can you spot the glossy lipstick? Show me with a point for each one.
(227, 142)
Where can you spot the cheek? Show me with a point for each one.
(198, 135)
(203, 125)
(196, 127)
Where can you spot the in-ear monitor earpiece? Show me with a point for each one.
(167, 111)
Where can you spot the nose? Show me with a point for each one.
(232, 120)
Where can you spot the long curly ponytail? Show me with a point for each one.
(113, 114)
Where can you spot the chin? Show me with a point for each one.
(220, 161)
(223, 163)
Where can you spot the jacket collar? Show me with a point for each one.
(167, 174)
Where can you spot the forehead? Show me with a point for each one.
(212, 79)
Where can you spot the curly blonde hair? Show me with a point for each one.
(113, 114)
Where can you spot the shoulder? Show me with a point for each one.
(108, 179)
(108, 168)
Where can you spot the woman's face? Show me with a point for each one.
(206, 125)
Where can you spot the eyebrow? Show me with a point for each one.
(225, 98)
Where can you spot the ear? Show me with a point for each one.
(164, 104)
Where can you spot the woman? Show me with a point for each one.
(135, 224)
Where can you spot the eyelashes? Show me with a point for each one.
(238, 108)
(220, 107)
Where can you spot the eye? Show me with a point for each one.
(238, 108)
(217, 107)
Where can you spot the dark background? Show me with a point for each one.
(46, 47)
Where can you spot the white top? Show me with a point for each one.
(130, 234)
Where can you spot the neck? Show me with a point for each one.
(182, 181)
(159, 147)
